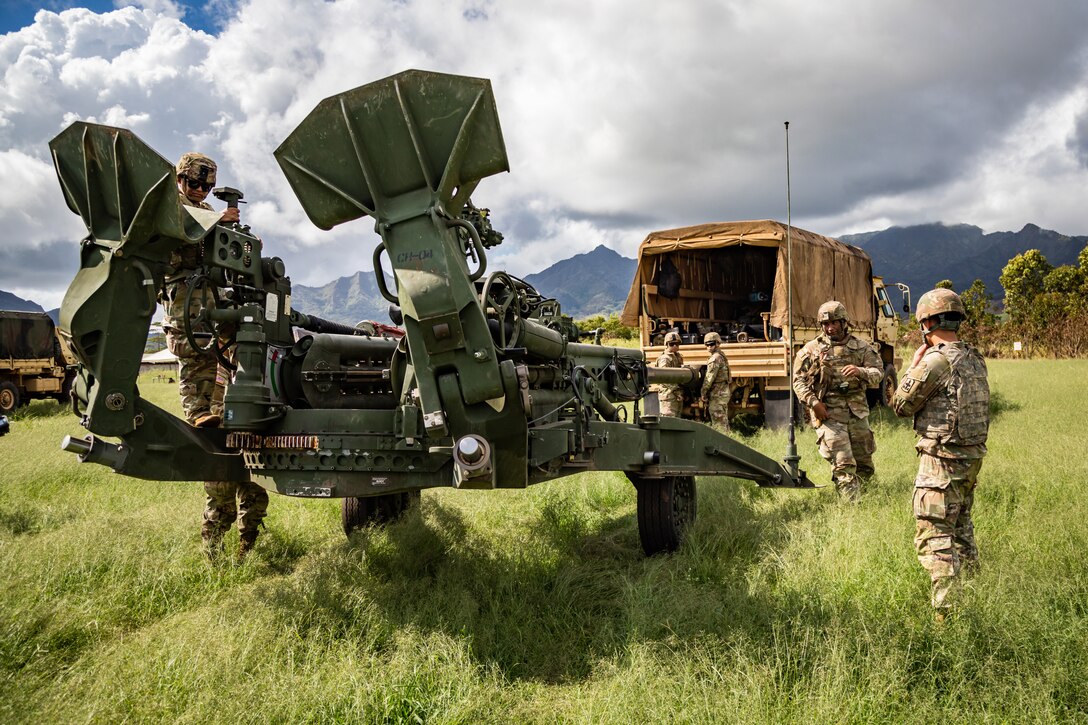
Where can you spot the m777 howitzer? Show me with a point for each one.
(487, 389)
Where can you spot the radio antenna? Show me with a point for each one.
(792, 459)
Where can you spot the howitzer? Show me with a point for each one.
(488, 388)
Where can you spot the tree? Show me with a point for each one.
(944, 284)
(977, 303)
(1048, 308)
(612, 326)
(1064, 280)
(1023, 279)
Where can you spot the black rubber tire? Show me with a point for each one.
(882, 395)
(666, 508)
(776, 411)
(9, 398)
(360, 512)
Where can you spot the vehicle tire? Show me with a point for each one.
(357, 512)
(882, 394)
(666, 508)
(776, 410)
(9, 398)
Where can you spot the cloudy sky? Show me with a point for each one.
(620, 116)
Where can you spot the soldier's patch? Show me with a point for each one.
(908, 384)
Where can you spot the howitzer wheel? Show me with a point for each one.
(360, 512)
(666, 508)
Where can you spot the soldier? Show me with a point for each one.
(830, 375)
(716, 389)
(197, 372)
(946, 391)
(201, 379)
(670, 397)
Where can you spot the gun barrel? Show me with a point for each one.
(669, 376)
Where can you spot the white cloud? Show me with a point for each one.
(34, 211)
(618, 117)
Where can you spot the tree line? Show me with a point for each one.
(1045, 309)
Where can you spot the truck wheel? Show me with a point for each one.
(357, 512)
(666, 508)
(882, 394)
(776, 410)
(9, 398)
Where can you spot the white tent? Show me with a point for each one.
(162, 357)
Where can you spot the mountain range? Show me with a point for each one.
(922, 255)
(597, 282)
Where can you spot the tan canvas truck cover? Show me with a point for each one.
(823, 269)
(26, 335)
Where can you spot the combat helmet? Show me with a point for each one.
(197, 167)
(712, 337)
(945, 305)
(672, 336)
(830, 311)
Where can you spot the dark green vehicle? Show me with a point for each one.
(489, 388)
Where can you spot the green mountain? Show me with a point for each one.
(587, 284)
(8, 301)
(346, 300)
(924, 254)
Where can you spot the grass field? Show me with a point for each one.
(538, 605)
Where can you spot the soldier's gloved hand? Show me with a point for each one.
(820, 411)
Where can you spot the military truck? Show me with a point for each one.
(33, 363)
(731, 278)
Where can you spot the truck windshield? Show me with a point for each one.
(885, 303)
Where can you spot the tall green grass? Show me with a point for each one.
(538, 606)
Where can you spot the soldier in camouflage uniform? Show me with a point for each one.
(670, 397)
(716, 389)
(830, 375)
(201, 379)
(197, 372)
(946, 391)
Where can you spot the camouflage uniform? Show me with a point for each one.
(716, 390)
(844, 438)
(949, 397)
(230, 501)
(670, 397)
(197, 372)
(202, 382)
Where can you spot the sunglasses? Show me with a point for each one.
(194, 184)
(712, 344)
(673, 344)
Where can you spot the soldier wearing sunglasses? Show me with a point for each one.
(717, 383)
(201, 379)
(670, 397)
